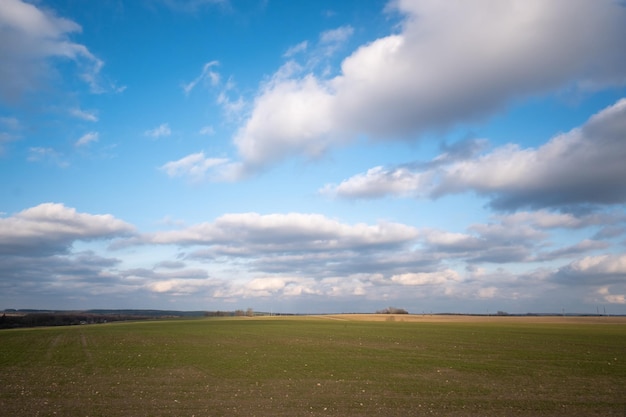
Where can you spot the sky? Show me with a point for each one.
(313, 156)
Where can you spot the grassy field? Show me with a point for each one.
(323, 366)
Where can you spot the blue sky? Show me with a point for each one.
(459, 156)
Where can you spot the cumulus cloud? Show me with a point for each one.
(56, 277)
(612, 298)
(296, 251)
(291, 117)
(450, 63)
(594, 270)
(600, 278)
(286, 233)
(520, 237)
(379, 182)
(426, 278)
(30, 39)
(53, 228)
(582, 167)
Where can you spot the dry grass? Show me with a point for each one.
(454, 318)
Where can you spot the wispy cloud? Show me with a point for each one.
(90, 116)
(194, 166)
(193, 6)
(159, 131)
(294, 50)
(207, 130)
(9, 131)
(87, 138)
(49, 155)
(206, 76)
(10, 123)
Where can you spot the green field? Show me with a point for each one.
(316, 366)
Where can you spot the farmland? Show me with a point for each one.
(320, 366)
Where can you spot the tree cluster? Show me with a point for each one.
(392, 310)
(10, 321)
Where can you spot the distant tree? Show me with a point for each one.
(249, 312)
(392, 310)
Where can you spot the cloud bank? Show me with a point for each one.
(306, 257)
(580, 168)
(53, 228)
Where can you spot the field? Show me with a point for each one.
(319, 366)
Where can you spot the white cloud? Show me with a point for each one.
(488, 292)
(87, 138)
(253, 233)
(180, 287)
(379, 182)
(291, 117)
(578, 249)
(207, 130)
(294, 50)
(544, 219)
(51, 227)
(194, 166)
(339, 35)
(452, 241)
(612, 298)
(594, 270)
(231, 106)
(29, 38)
(50, 155)
(485, 243)
(603, 264)
(451, 62)
(206, 76)
(11, 123)
(268, 284)
(426, 278)
(160, 131)
(192, 6)
(90, 116)
(331, 40)
(581, 167)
